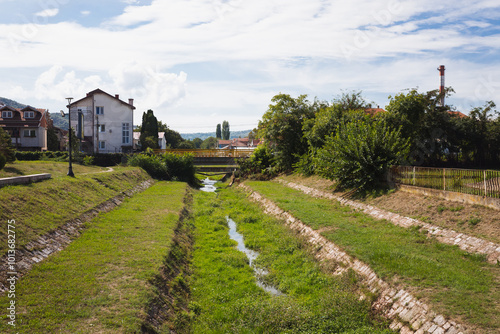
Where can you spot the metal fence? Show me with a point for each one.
(237, 153)
(468, 181)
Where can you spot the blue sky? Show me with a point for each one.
(199, 62)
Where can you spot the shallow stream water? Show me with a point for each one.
(252, 255)
(234, 235)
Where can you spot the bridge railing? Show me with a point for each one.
(210, 153)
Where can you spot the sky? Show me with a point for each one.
(196, 63)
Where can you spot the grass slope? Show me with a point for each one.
(459, 284)
(225, 298)
(101, 282)
(41, 207)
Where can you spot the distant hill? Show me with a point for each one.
(12, 103)
(59, 121)
(205, 135)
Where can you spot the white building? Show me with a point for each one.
(107, 122)
(27, 127)
(162, 141)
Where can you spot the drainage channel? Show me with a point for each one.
(251, 255)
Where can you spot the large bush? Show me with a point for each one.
(152, 164)
(180, 167)
(360, 154)
(166, 167)
(259, 162)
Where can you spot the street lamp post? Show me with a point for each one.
(70, 169)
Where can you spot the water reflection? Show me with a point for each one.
(252, 255)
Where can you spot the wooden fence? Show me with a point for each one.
(210, 153)
(468, 181)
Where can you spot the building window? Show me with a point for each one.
(102, 128)
(29, 114)
(99, 110)
(125, 133)
(6, 114)
(102, 145)
(29, 133)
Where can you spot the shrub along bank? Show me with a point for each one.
(41, 207)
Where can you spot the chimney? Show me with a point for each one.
(131, 102)
(441, 87)
(117, 96)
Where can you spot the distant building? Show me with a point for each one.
(27, 127)
(162, 141)
(238, 143)
(104, 121)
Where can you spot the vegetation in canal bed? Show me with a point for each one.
(101, 283)
(461, 285)
(225, 298)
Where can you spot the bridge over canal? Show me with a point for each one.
(213, 161)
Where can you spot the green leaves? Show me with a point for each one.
(360, 153)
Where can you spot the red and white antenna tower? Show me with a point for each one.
(441, 87)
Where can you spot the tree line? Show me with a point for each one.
(150, 127)
(355, 144)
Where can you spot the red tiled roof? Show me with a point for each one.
(374, 111)
(457, 114)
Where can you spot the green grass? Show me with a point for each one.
(41, 207)
(225, 298)
(101, 281)
(459, 284)
(57, 169)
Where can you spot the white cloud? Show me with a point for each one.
(303, 46)
(85, 12)
(48, 12)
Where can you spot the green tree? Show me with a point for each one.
(351, 101)
(75, 143)
(149, 128)
(6, 148)
(186, 145)
(281, 127)
(225, 130)
(52, 140)
(218, 132)
(173, 138)
(209, 143)
(360, 154)
(197, 142)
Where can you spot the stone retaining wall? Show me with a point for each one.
(10, 181)
(465, 242)
(408, 314)
(490, 202)
(37, 250)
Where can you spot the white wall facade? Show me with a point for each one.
(109, 129)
